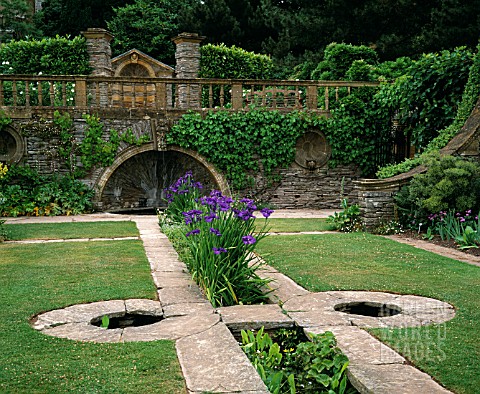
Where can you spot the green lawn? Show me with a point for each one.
(449, 352)
(295, 225)
(42, 277)
(71, 230)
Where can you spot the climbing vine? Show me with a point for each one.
(244, 144)
(468, 99)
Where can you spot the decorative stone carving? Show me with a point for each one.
(313, 150)
(12, 146)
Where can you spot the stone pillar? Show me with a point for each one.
(98, 47)
(376, 199)
(100, 52)
(187, 58)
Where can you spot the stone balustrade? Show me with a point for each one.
(22, 95)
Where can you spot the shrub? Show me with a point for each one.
(24, 192)
(450, 183)
(220, 61)
(338, 58)
(49, 56)
(467, 103)
(221, 237)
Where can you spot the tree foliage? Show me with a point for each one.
(70, 17)
(147, 25)
(14, 20)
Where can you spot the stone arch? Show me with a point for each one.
(128, 69)
(12, 145)
(139, 174)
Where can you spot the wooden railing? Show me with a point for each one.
(19, 92)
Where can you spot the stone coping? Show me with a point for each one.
(318, 309)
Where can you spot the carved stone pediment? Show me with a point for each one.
(135, 63)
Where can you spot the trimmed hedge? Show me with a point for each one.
(220, 61)
(49, 56)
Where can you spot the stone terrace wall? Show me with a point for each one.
(319, 189)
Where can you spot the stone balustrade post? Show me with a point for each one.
(187, 58)
(100, 52)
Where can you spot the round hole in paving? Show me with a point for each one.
(127, 320)
(365, 308)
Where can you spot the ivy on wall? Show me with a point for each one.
(243, 144)
(470, 95)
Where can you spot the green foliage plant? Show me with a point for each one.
(221, 61)
(426, 98)
(155, 19)
(24, 192)
(348, 220)
(338, 58)
(47, 56)
(462, 227)
(312, 366)
(450, 183)
(466, 104)
(221, 236)
(241, 143)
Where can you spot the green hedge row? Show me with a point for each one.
(49, 56)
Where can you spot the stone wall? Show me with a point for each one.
(299, 188)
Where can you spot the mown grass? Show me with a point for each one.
(43, 277)
(295, 225)
(449, 352)
(44, 231)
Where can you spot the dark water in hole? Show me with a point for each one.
(128, 320)
(368, 309)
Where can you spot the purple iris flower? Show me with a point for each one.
(219, 250)
(193, 232)
(215, 231)
(248, 240)
(244, 215)
(266, 212)
(210, 217)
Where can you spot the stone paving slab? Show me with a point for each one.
(187, 308)
(359, 346)
(283, 288)
(85, 332)
(175, 279)
(254, 317)
(392, 379)
(318, 309)
(172, 328)
(213, 362)
(181, 295)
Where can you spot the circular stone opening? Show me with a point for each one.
(126, 320)
(365, 308)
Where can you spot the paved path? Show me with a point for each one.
(210, 357)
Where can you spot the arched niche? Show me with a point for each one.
(139, 175)
(12, 145)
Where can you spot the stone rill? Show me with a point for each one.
(209, 355)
